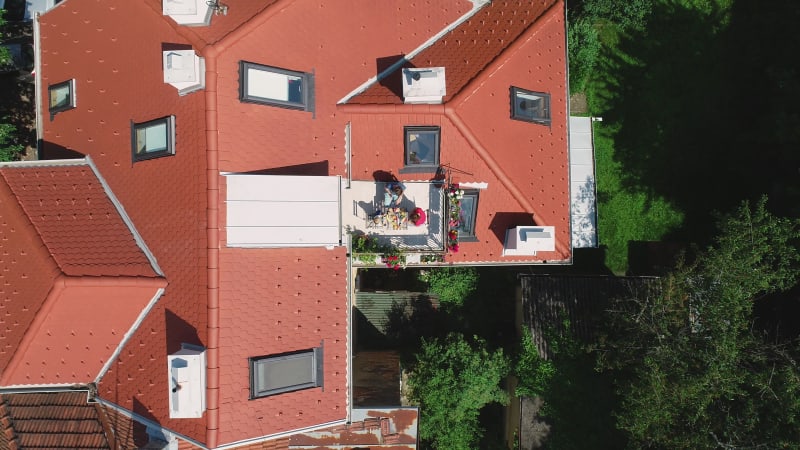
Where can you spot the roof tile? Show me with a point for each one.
(54, 420)
(77, 221)
(466, 50)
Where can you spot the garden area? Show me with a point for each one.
(698, 100)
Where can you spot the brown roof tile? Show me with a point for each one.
(54, 420)
(466, 50)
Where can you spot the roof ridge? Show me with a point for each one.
(476, 38)
(407, 58)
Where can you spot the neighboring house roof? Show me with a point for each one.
(549, 300)
(394, 428)
(51, 421)
(77, 221)
(93, 280)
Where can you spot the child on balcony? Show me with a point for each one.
(417, 216)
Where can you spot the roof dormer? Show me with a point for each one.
(184, 70)
(189, 12)
(424, 85)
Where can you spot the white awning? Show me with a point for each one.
(283, 211)
(583, 202)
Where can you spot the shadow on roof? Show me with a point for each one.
(319, 168)
(179, 332)
(502, 221)
(393, 81)
(50, 150)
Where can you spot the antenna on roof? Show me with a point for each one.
(218, 7)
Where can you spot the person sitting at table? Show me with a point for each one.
(394, 194)
(417, 216)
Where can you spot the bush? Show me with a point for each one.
(452, 284)
(8, 152)
(583, 42)
(452, 380)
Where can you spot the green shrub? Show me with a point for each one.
(625, 14)
(584, 50)
(8, 152)
(534, 372)
(452, 284)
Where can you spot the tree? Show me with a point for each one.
(691, 369)
(452, 380)
(452, 284)
(8, 151)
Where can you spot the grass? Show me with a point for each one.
(626, 215)
(678, 143)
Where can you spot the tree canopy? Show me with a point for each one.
(692, 371)
(452, 380)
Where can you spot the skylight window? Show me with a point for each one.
(530, 106)
(153, 139)
(421, 148)
(275, 86)
(276, 374)
(62, 96)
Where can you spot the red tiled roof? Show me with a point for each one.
(273, 301)
(239, 12)
(52, 421)
(117, 67)
(70, 217)
(28, 273)
(525, 165)
(85, 319)
(343, 46)
(77, 221)
(384, 428)
(270, 300)
(466, 50)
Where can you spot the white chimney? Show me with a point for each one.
(527, 240)
(184, 70)
(187, 382)
(188, 12)
(425, 85)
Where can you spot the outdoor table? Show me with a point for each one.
(397, 220)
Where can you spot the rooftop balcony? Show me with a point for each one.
(363, 199)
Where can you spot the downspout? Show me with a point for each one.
(37, 74)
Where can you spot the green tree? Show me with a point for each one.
(8, 151)
(692, 371)
(452, 380)
(577, 400)
(4, 54)
(452, 284)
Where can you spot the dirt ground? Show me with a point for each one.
(578, 105)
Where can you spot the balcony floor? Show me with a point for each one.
(358, 204)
